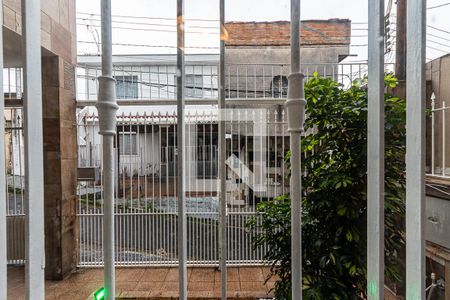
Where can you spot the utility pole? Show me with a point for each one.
(400, 48)
(400, 91)
(222, 157)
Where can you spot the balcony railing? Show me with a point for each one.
(249, 81)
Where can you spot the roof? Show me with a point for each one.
(313, 33)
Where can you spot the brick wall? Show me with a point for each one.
(58, 25)
(313, 33)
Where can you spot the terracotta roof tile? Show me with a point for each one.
(313, 32)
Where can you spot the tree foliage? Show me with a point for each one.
(334, 198)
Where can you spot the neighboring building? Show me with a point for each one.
(258, 54)
(438, 172)
(257, 58)
(257, 65)
(322, 41)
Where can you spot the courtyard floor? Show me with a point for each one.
(151, 283)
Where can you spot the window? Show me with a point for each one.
(279, 86)
(207, 152)
(128, 143)
(126, 87)
(194, 85)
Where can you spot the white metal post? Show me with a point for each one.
(107, 107)
(222, 157)
(415, 150)
(433, 107)
(375, 154)
(444, 124)
(181, 142)
(3, 195)
(34, 168)
(295, 106)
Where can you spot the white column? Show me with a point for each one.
(415, 150)
(222, 158)
(295, 106)
(34, 169)
(181, 159)
(375, 154)
(107, 107)
(3, 195)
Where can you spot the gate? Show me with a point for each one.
(146, 196)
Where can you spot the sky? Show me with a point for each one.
(148, 26)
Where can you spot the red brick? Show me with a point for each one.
(313, 32)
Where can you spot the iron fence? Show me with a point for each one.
(15, 175)
(146, 196)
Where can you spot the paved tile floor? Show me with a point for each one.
(151, 283)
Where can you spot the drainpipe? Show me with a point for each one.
(375, 154)
(107, 107)
(222, 158)
(3, 195)
(295, 106)
(34, 167)
(181, 143)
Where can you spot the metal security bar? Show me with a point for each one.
(3, 222)
(415, 150)
(146, 194)
(375, 153)
(33, 137)
(249, 81)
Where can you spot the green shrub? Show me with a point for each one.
(334, 195)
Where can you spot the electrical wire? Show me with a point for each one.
(150, 46)
(438, 6)
(151, 18)
(147, 24)
(151, 29)
(436, 49)
(438, 29)
(437, 43)
(438, 37)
